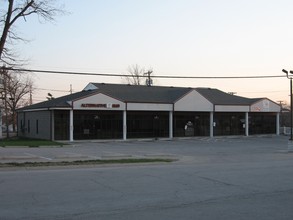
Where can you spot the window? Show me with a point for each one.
(98, 125)
(61, 125)
(262, 123)
(37, 126)
(229, 123)
(191, 124)
(147, 124)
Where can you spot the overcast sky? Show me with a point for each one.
(173, 37)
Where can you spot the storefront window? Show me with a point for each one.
(97, 125)
(147, 124)
(229, 123)
(61, 125)
(262, 123)
(191, 124)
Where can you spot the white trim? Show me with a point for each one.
(171, 124)
(35, 110)
(211, 124)
(60, 108)
(246, 124)
(278, 124)
(124, 125)
(149, 107)
(71, 126)
(232, 108)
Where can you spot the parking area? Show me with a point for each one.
(218, 178)
(193, 150)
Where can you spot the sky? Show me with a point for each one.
(172, 37)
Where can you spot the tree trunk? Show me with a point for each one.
(6, 27)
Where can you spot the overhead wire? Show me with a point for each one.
(129, 75)
(154, 76)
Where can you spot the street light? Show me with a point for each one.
(291, 100)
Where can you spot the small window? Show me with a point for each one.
(28, 126)
(37, 126)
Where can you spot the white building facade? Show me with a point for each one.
(117, 111)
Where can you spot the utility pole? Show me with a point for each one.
(281, 103)
(291, 102)
(149, 81)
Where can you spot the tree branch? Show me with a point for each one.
(44, 9)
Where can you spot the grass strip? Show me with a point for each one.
(14, 142)
(85, 162)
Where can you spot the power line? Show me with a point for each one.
(154, 76)
(54, 90)
(271, 91)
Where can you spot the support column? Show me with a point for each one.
(71, 125)
(278, 124)
(246, 124)
(52, 125)
(124, 125)
(171, 124)
(211, 124)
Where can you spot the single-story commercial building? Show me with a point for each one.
(120, 111)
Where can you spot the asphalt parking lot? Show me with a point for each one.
(184, 150)
(213, 179)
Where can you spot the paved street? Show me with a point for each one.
(219, 178)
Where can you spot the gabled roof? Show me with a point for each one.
(218, 97)
(141, 93)
(60, 102)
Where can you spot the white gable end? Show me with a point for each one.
(90, 86)
(98, 102)
(265, 105)
(193, 101)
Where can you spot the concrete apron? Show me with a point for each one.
(290, 146)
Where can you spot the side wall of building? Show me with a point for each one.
(35, 124)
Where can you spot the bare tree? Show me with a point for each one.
(16, 93)
(20, 9)
(138, 75)
(135, 73)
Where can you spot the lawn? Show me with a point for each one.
(28, 142)
(86, 162)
